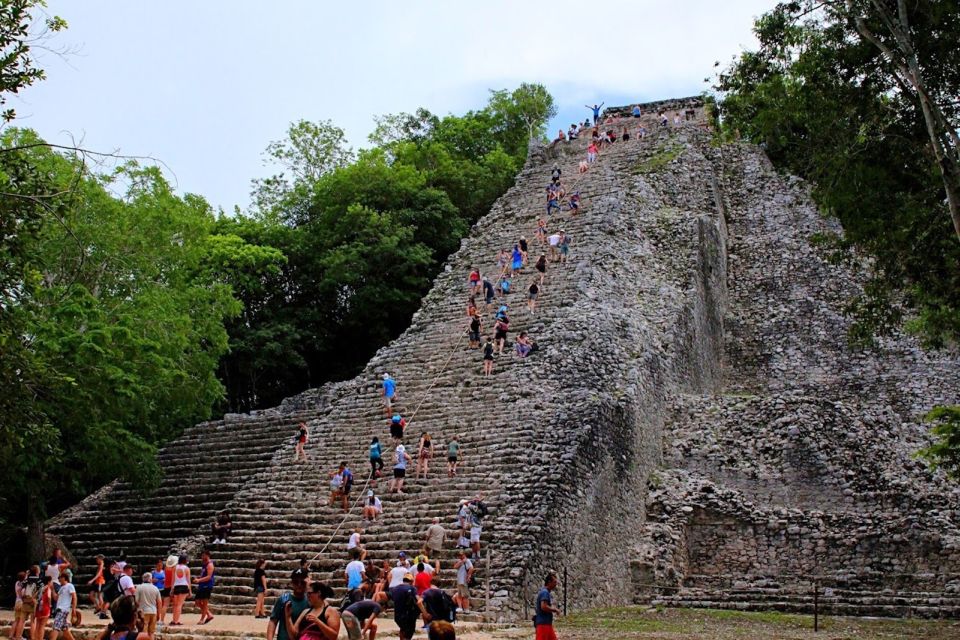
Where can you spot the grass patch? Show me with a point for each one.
(663, 157)
(642, 623)
(620, 620)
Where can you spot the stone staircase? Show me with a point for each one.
(692, 430)
(507, 424)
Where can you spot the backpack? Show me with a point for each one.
(30, 593)
(111, 590)
(447, 609)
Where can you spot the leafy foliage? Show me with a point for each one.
(361, 240)
(945, 452)
(111, 331)
(19, 32)
(829, 106)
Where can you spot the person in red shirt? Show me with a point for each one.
(43, 609)
(424, 579)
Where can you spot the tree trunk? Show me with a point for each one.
(36, 535)
(908, 74)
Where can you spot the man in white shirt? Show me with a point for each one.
(354, 543)
(148, 601)
(127, 587)
(355, 572)
(66, 609)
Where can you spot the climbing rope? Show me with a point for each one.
(424, 396)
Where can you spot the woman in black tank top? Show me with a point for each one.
(320, 621)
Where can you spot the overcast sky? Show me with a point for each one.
(205, 86)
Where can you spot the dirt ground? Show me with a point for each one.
(634, 623)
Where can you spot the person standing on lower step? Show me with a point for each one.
(260, 588)
(400, 461)
(433, 541)
(543, 619)
(205, 584)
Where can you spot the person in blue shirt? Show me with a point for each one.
(294, 601)
(543, 620)
(389, 393)
(376, 458)
(596, 111)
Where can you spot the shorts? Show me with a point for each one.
(532, 296)
(387, 401)
(181, 589)
(475, 335)
(517, 264)
(399, 473)
(546, 632)
(454, 458)
(488, 358)
(61, 622)
(21, 612)
(408, 627)
(396, 431)
(463, 590)
(500, 335)
(475, 534)
(564, 249)
(351, 624)
(150, 623)
(202, 594)
(259, 590)
(164, 593)
(97, 588)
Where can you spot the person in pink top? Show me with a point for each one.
(592, 153)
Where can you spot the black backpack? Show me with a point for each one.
(447, 609)
(112, 590)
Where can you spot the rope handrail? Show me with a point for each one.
(423, 398)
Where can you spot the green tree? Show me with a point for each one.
(116, 330)
(523, 114)
(309, 151)
(21, 31)
(944, 453)
(827, 105)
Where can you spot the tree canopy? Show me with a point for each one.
(830, 105)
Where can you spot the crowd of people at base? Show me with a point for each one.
(49, 590)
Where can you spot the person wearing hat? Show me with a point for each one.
(389, 393)
(372, 507)
(407, 607)
(401, 459)
(168, 568)
(290, 604)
